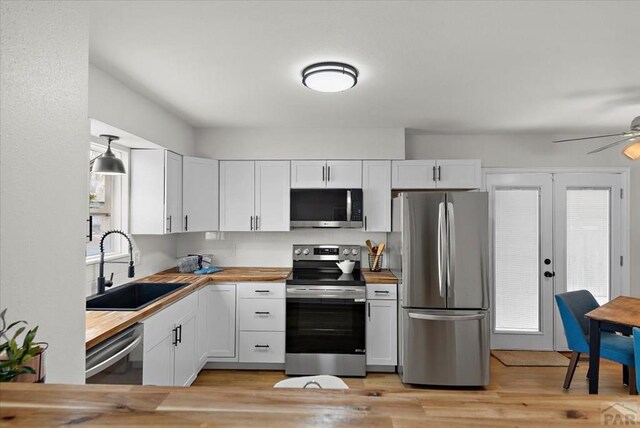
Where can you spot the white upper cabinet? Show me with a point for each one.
(459, 174)
(413, 174)
(344, 174)
(200, 194)
(254, 195)
(156, 192)
(272, 189)
(436, 174)
(237, 187)
(326, 174)
(376, 189)
(308, 174)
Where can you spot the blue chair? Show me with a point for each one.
(573, 306)
(636, 343)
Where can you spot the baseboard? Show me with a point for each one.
(243, 366)
(382, 369)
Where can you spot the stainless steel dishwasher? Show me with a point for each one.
(117, 360)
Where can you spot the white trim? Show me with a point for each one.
(94, 260)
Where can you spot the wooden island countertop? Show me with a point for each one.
(24, 404)
(101, 325)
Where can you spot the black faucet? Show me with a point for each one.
(103, 283)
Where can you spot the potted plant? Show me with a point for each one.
(20, 362)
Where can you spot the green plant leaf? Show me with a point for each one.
(18, 333)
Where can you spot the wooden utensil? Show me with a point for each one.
(380, 249)
(369, 246)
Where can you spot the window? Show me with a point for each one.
(107, 206)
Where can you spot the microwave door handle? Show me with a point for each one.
(348, 205)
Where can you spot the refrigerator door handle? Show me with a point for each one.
(441, 249)
(451, 245)
(433, 317)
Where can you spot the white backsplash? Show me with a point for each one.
(270, 249)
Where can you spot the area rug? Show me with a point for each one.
(531, 358)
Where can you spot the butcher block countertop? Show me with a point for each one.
(23, 404)
(101, 325)
(382, 277)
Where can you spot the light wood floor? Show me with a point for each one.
(534, 380)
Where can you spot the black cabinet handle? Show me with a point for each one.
(186, 223)
(365, 222)
(90, 221)
(323, 174)
(439, 176)
(369, 309)
(382, 292)
(549, 274)
(180, 333)
(175, 336)
(261, 346)
(262, 313)
(328, 173)
(261, 291)
(434, 176)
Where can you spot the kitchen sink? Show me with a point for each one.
(133, 296)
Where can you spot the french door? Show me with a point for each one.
(550, 233)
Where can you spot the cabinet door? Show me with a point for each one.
(219, 329)
(458, 174)
(173, 192)
(146, 175)
(413, 174)
(157, 368)
(184, 363)
(272, 188)
(200, 194)
(344, 174)
(382, 332)
(376, 189)
(308, 174)
(236, 196)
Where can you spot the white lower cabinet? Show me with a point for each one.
(216, 322)
(170, 344)
(261, 314)
(382, 325)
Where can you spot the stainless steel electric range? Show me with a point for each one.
(325, 313)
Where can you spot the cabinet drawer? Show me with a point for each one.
(262, 314)
(261, 347)
(382, 292)
(261, 290)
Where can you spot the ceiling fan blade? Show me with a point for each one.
(591, 138)
(615, 143)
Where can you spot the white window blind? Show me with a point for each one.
(516, 258)
(588, 246)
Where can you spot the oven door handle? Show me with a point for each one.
(102, 365)
(348, 205)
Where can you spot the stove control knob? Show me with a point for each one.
(354, 251)
(297, 252)
(345, 251)
(306, 252)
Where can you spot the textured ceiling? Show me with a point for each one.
(442, 67)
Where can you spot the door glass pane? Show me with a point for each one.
(516, 260)
(588, 252)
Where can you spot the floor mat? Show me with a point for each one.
(531, 358)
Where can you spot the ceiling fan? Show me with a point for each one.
(633, 135)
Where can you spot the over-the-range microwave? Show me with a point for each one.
(330, 208)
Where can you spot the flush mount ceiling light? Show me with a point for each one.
(107, 163)
(330, 77)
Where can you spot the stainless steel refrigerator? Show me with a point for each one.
(438, 249)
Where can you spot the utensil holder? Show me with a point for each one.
(375, 262)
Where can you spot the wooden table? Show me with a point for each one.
(621, 312)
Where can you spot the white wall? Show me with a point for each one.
(535, 151)
(300, 143)
(120, 107)
(45, 130)
(115, 104)
(270, 248)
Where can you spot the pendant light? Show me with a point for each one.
(330, 77)
(107, 163)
